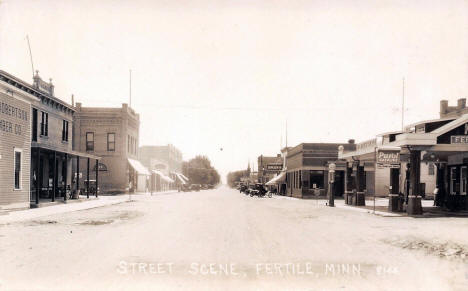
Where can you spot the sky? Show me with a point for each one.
(223, 78)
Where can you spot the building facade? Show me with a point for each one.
(165, 162)
(269, 167)
(48, 131)
(425, 155)
(307, 169)
(112, 134)
(15, 144)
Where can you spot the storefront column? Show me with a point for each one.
(87, 182)
(38, 175)
(394, 201)
(414, 206)
(97, 177)
(66, 178)
(54, 179)
(77, 175)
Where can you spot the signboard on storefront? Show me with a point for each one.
(459, 139)
(388, 158)
(366, 144)
(274, 167)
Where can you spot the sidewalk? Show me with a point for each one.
(82, 204)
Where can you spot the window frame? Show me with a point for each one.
(88, 148)
(20, 181)
(34, 123)
(44, 123)
(110, 142)
(65, 126)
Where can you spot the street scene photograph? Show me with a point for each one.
(233, 145)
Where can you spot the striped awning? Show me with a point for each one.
(137, 166)
(164, 177)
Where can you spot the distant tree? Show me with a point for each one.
(233, 177)
(200, 171)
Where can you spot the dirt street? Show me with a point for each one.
(223, 240)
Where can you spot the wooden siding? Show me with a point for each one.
(8, 142)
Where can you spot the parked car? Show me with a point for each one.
(195, 187)
(185, 188)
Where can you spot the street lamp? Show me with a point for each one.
(331, 182)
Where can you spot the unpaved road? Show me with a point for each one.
(223, 240)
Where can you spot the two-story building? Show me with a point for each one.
(15, 143)
(112, 134)
(269, 167)
(50, 149)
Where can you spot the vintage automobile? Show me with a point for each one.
(258, 190)
(185, 188)
(195, 187)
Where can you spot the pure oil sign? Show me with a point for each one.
(388, 158)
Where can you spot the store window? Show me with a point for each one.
(430, 169)
(90, 141)
(111, 142)
(18, 153)
(316, 179)
(300, 178)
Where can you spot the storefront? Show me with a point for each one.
(15, 145)
(139, 176)
(160, 182)
(307, 169)
(425, 156)
(269, 167)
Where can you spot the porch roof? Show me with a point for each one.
(70, 152)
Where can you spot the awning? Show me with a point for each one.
(276, 180)
(70, 152)
(137, 166)
(185, 178)
(179, 177)
(164, 177)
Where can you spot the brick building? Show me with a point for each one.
(307, 169)
(113, 134)
(269, 167)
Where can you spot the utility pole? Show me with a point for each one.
(130, 101)
(403, 106)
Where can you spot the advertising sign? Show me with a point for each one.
(388, 158)
(459, 139)
(274, 167)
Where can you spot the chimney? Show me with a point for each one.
(73, 101)
(461, 103)
(351, 141)
(443, 107)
